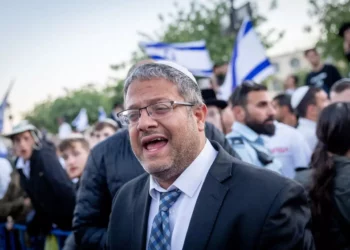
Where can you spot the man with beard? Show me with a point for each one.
(254, 114)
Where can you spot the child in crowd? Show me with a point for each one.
(74, 151)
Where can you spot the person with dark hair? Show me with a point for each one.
(254, 116)
(308, 102)
(104, 129)
(215, 108)
(291, 84)
(330, 191)
(42, 177)
(284, 111)
(340, 92)
(322, 75)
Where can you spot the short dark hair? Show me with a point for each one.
(69, 144)
(310, 50)
(219, 64)
(341, 85)
(296, 79)
(309, 99)
(101, 125)
(284, 100)
(239, 96)
(118, 105)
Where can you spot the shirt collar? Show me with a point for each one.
(307, 122)
(190, 180)
(21, 163)
(245, 131)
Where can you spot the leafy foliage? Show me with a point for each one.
(45, 114)
(330, 14)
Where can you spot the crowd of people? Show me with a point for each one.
(176, 168)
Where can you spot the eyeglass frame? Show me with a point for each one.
(172, 103)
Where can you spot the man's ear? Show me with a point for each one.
(200, 114)
(239, 113)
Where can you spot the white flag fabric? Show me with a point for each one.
(192, 55)
(81, 122)
(101, 114)
(248, 61)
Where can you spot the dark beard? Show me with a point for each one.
(262, 128)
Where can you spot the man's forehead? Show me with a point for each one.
(258, 96)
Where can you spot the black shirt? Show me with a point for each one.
(325, 78)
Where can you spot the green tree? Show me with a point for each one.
(45, 114)
(330, 14)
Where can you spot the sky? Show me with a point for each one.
(47, 46)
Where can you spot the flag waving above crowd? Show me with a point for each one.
(248, 61)
(192, 55)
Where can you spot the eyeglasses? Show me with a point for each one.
(156, 111)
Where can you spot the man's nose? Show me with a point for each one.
(145, 121)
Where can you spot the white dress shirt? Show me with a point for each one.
(190, 183)
(290, 148)
(308, 129)
(25, 166)
(5, 176)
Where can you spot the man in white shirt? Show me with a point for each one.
(290, 148)
(64, 129)
(308, 102)
(194, 195)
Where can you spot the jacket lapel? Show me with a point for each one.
(140, 216)
(209, 201)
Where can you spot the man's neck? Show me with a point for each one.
(311, 118)
(290, 120)
(318, 67)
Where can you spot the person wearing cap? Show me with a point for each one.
(340, 91)
(322, 75)
(308, 102)
(75, 151)
(284, 111)
(195, 195)
(43, 178)
(104, 129)
(344, 32)
(215, 108)
(105, 173)
(254, 117)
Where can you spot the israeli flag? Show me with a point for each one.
(248, 62)
(192, 55)
(101, 114)
(81, 122)
(4, 105)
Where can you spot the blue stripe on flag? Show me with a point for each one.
(248, 27)
(260, 67)
(164, 45)
(233, 65)
(155, 57)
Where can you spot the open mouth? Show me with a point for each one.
(153, 144)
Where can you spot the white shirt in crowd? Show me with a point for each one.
(290, 148)
(5, 176)
(190, 183)
(64, 131)
(25, 166)
(308, 129)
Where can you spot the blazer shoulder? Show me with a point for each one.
(257, 178)
(131, 188)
